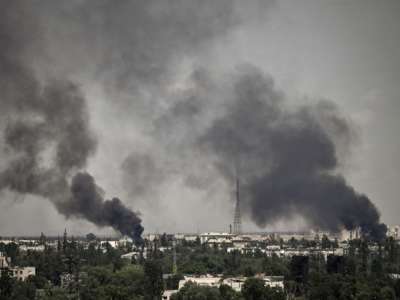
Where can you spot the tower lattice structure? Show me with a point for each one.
(237, 219)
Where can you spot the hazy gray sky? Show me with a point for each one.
(346, 51)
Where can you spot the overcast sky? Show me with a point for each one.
(346, 51)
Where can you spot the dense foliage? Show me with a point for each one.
(364, 272)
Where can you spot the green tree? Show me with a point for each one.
(90, 237)
(59, 247)
(193, 291)
(42, 239)
(172, 282)
(396, 287)
(153, 281)
(253, 289)
(376, 267)
(387, 293)
(364, 253)
(226, 292)
(164, 240)
(23, 290)
(274, 293)
(55, 293)
(319, 287)
(65, 241)
(6, 284)
(293, 242)
(325, 242)
(299, 267)
(12, 251)
(335, 243)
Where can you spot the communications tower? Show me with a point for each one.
(237, 219)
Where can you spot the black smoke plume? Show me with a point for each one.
(87, 202)
(288, 159)
(46, 135)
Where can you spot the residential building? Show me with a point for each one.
(22, 273)
(4, 261)
(235, 283)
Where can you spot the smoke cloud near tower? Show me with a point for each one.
(288, 158)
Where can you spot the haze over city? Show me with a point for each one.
(164, 106)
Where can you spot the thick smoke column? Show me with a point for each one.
(86, 201)
(288, 158)
(46, 132)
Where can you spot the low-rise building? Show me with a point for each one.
(104, 244)
(188, 237)
(4, 261)
(203, 280)
(167, 294)
(135, 254)
(6, 242)
(235, 283)
(36, 248)
(394, 232)
(20, 273)
(23, 273)
(204, 237)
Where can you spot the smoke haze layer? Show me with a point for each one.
(197, 122)
(46, 133)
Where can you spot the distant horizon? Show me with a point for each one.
(116, 236)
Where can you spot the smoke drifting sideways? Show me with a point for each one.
(287, 158)
(46, 133)
(135, 47)
(87, 201)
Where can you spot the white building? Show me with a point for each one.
(219, 242)
(123, 242)
(188, 237)
(204, 280)
(37, 248)
(135, 254)
(6, 242)
(22, 273)
(204, 237)
(151, 236)
(394, 232)
(4, 261)
(235, 283)
(350, 234)
(113, 244)
(168, 293)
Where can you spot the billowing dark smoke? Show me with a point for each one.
(287, 159)
(138, 51)
(87, 202)
(46, 133)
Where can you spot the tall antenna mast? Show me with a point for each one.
(237, 219)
